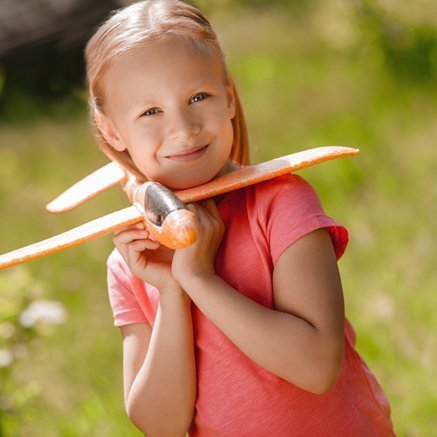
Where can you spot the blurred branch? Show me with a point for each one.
(27, 24)
(42, 41)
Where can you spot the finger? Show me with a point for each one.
(119, 231)
(191, 207)
(133, 258)
(134, 253)
(211, 212)
(211, 207)
(139, 225)
(199, 212)
(215, 219)
(196, 209)
(208, 216)
(142, 245)
(130, 235)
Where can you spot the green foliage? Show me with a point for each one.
(409, 51)
(357, 73)
(25, 319)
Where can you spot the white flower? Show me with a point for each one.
(383, 306)
(6, 357)
(45, 311)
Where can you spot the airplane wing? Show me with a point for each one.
(112, 174)
(96, 228)
(253, 174)
(178, 229)
(105, 177)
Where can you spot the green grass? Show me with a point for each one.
(303, 85)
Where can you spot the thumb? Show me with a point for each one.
(211, 207)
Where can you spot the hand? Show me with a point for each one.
(147, 259)
(198, 258)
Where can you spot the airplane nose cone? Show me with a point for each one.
(179, 229)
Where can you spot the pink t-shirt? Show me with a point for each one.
(236, 397)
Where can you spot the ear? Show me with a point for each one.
(230, 96)
(109, 131)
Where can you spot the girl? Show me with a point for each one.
(243, 332)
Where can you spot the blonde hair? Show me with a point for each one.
(146, 21)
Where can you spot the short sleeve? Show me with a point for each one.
(294, 211)
(125, 306)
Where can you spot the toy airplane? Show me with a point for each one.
(163, 212)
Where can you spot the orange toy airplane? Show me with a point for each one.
(163, 211)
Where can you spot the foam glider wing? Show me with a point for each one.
(105, 177)
(96, 228)
(164, 215)
(162, 211)
(254, 174)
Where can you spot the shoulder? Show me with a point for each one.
(125, 292)
(289, 184)
(115, 262)
(114, 259)
(117, 270)
(283, 182)
(288, 194)
(288, 208)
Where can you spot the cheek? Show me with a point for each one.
(221, 124)
(142, 142)
(141, 157)
(227, 133)
(143, 131)
(144, 159)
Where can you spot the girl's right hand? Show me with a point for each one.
(147, 259)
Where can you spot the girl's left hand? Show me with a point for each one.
(198, 258)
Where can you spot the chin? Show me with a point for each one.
(186, 183)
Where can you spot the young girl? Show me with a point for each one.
(242, 333)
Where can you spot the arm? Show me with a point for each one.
(158, 370)
(301, 340)
(158, 364)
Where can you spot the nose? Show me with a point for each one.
(183, 125)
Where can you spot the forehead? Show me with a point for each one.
(169, 62)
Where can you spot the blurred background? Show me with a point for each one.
(311, 73)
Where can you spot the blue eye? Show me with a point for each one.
(199, 97)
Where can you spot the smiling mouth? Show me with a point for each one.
(189, 154)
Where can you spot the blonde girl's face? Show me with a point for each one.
(169, 105)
